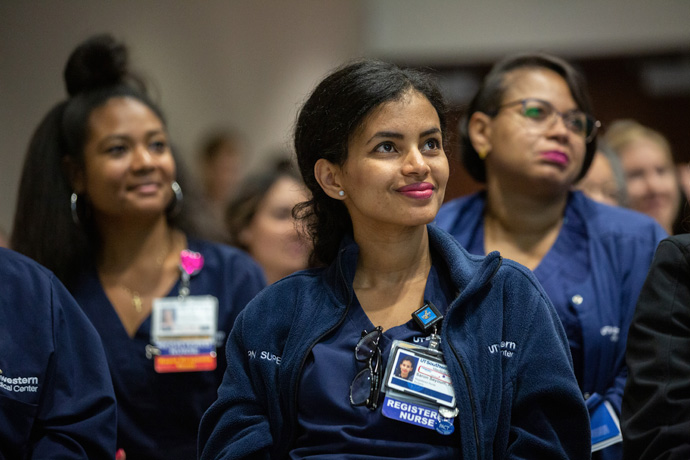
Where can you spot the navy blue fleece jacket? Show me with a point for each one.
(504, 345)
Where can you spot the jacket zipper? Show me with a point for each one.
(467, 379)
(293, 406)
(472, 407)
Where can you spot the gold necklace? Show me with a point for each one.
(137, 301)
(136, 298)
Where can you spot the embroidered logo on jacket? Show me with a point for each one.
(507, 349)
(265, 355)
(19, 384)
(611, 331)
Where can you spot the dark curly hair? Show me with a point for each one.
(490, 96)
(336, 108)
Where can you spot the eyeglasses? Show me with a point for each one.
(543, 115)
(364, 389)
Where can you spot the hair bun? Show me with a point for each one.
(99, 61)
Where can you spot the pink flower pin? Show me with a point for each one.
(191, 262)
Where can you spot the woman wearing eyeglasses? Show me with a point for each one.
(315, 352)
(529, 136)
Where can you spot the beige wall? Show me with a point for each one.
(451, 30)
(245, 64)
(249, 63)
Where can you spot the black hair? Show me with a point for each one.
(336, 108)
(43, 229)
(242, 209)
(490, 96)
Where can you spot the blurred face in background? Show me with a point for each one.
(223, 172)
(652, 184)
(600, 182)
(272, 237)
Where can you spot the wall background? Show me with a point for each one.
(249, 64)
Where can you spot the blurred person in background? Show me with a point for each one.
(529, 135)
(221, 168)
(260, 220)
(605, 180)
(650, 172)
(100, 203)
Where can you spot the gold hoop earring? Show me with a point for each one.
(73, 208)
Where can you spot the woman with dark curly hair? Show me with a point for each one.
(494, 378)
(100, 204)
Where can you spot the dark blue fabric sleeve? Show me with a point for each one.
(77, 414)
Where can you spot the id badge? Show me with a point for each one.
(183, 329)
(415, 372)
(418, 388)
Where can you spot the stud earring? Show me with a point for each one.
(341, 193)
(482, 153)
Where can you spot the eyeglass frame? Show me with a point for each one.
(370, 402)
(596, 124)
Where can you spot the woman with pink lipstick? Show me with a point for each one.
(529, 136)
(316, 353)
(100, 204)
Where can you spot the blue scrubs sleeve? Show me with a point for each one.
(77, 412)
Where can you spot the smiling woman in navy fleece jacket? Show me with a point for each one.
(369, 142)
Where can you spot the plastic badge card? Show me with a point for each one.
(605, 427)
(427, 378)
(184, 329)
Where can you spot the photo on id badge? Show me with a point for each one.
(405, 368)
(167, 320)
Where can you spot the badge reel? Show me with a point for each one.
(183, 328)
(417, 383)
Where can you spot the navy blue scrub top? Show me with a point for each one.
(158, 414)
(330, 427)
(562, 265)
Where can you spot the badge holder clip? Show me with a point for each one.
(191, 263)
(429, 318)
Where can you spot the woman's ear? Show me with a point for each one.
(479, 131)
(328, 176)
(74, 174)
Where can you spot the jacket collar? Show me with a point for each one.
(467, 272)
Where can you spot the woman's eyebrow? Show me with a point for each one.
(396, 135)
